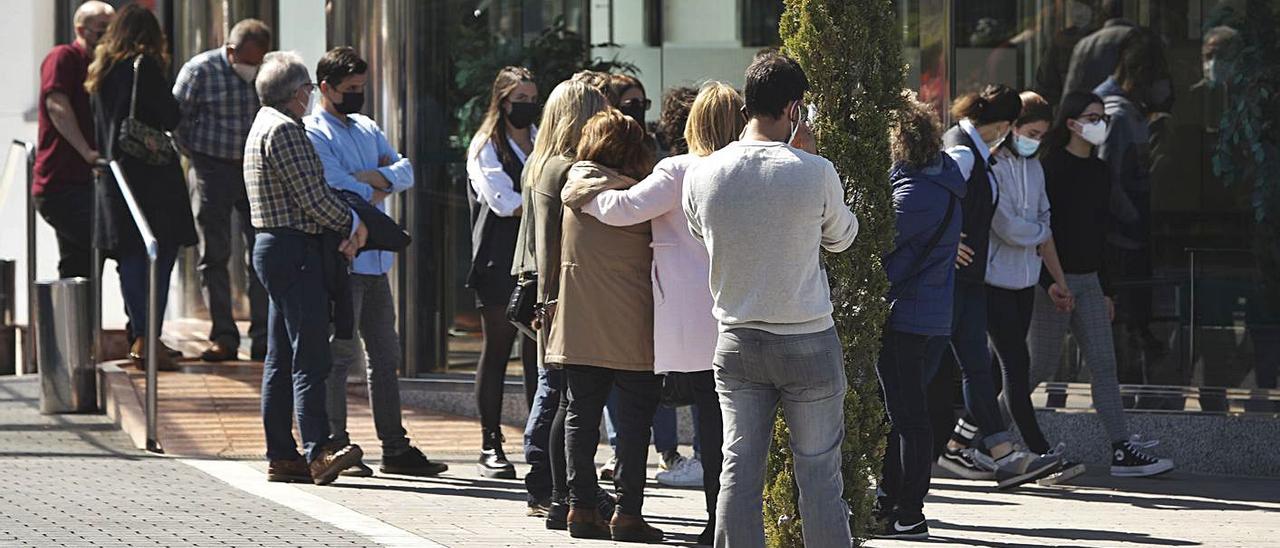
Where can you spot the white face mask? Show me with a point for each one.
(246, 72)
(795, 128)
(1095, 133)
(1209, 74)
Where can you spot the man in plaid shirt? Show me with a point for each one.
(218, 103)
(291, 207)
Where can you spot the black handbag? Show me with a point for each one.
(677, 389)
(523, 306)
(140, 140)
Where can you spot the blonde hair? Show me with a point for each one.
(568, 108)
(715, 119)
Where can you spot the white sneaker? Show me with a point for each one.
(1137, 441)
(686, 473)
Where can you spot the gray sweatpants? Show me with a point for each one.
(1092, 330)
(375, 322)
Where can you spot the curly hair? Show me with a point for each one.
(915, 137)
(675, 115)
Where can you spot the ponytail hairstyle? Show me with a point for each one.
(995, 103)
(1072, 106)
(494, 126)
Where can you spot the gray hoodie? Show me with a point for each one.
(1020, 224)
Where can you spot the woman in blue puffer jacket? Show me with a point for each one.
(927, 188)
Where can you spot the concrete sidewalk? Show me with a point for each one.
(76, 481)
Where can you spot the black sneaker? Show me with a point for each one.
(412, 463)
(1128, 460)
(963, 463)
(558, 516)
(493, 461)
(895, 529)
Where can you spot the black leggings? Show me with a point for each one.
(491, 372)
(1008, 321)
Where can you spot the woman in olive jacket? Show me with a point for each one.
(602, 329)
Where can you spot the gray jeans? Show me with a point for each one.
(375, 321)
(220, 187)
(754, 371)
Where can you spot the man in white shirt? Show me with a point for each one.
(765, 209)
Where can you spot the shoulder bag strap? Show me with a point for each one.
(133, 96)
(933, 240)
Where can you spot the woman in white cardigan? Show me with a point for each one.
(684, 331)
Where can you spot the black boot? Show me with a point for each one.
(493, 461)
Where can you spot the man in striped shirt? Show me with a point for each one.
(292, 208)
(218, 103)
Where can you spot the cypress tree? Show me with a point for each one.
(851, 51)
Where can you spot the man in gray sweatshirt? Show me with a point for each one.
(764, 209)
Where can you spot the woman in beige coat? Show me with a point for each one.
(602, 329)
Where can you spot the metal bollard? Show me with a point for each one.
(8, 311)
(64, 339)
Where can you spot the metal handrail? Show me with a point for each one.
(153, 306)
(28, 340)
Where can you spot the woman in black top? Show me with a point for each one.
(135, 37)
(1079, 189)
(495, 164)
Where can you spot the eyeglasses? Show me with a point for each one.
(631, 103)
(1093, 118)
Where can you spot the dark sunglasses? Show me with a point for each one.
(646, 103)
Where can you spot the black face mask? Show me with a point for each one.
(522, 115)
(635, 111)
(352, 102)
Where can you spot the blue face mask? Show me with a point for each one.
(1025, 146)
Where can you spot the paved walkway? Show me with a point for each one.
(75, 481)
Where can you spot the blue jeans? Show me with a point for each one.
(754, 372)
(298, 357)
(537, 435)
(664, 427)
(906, 364)
(132, 269)
(969, 351)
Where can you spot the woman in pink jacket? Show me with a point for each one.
(684, 331)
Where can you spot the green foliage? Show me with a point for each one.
(1249, 130)
(852, 54)
(553, 57)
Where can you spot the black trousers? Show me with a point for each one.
(711, 436)
(69, 211)
(491, 371)
(906, 363)
(637, 395)
(1008, 321)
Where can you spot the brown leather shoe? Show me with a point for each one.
(289, 471)
(164, 359)
(218, 352)
(626, 528)
(333, 460)
(587, 523)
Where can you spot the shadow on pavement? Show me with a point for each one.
(1173, 494)
(1064, 534)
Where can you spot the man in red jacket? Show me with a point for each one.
(66, 151)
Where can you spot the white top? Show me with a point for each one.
(684, 329)
(491, 182)
(765, 210)
(981, 145)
